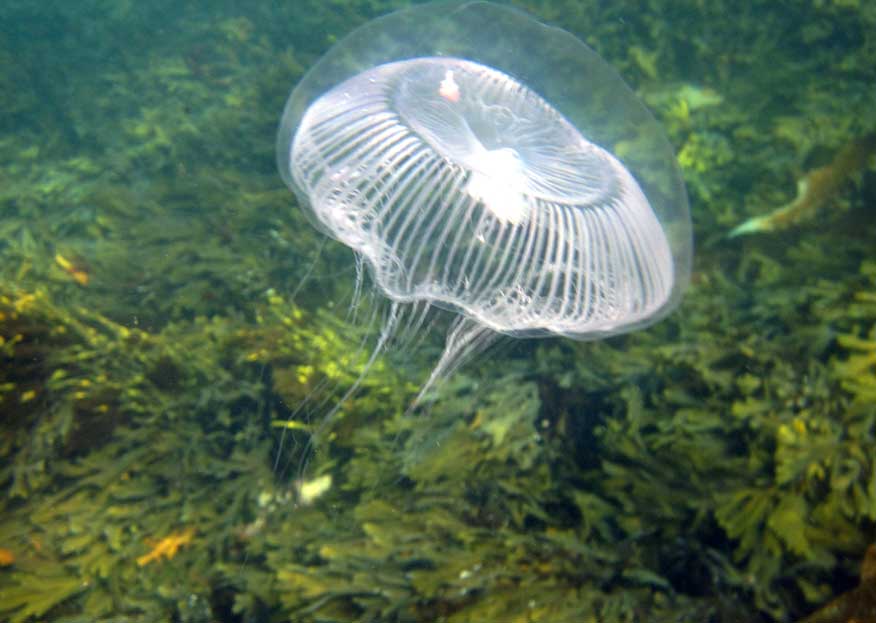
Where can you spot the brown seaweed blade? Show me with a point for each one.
(814, 190)
(857, 605)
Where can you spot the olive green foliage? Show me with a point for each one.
(116, 438)
(169, 376)
(766, 441)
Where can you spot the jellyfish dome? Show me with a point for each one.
(481, 162)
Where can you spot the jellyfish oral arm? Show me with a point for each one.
(504, 203)
(491, 184)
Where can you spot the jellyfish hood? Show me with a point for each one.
(478, 177)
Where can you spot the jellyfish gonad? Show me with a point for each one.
(427, 143)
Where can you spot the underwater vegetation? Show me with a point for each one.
(163, 362)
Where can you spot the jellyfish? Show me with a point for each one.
(484, 165)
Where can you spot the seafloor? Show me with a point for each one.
(172, 328)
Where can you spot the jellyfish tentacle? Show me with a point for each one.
(385, 336)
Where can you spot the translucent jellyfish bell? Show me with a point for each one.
(479, 161)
